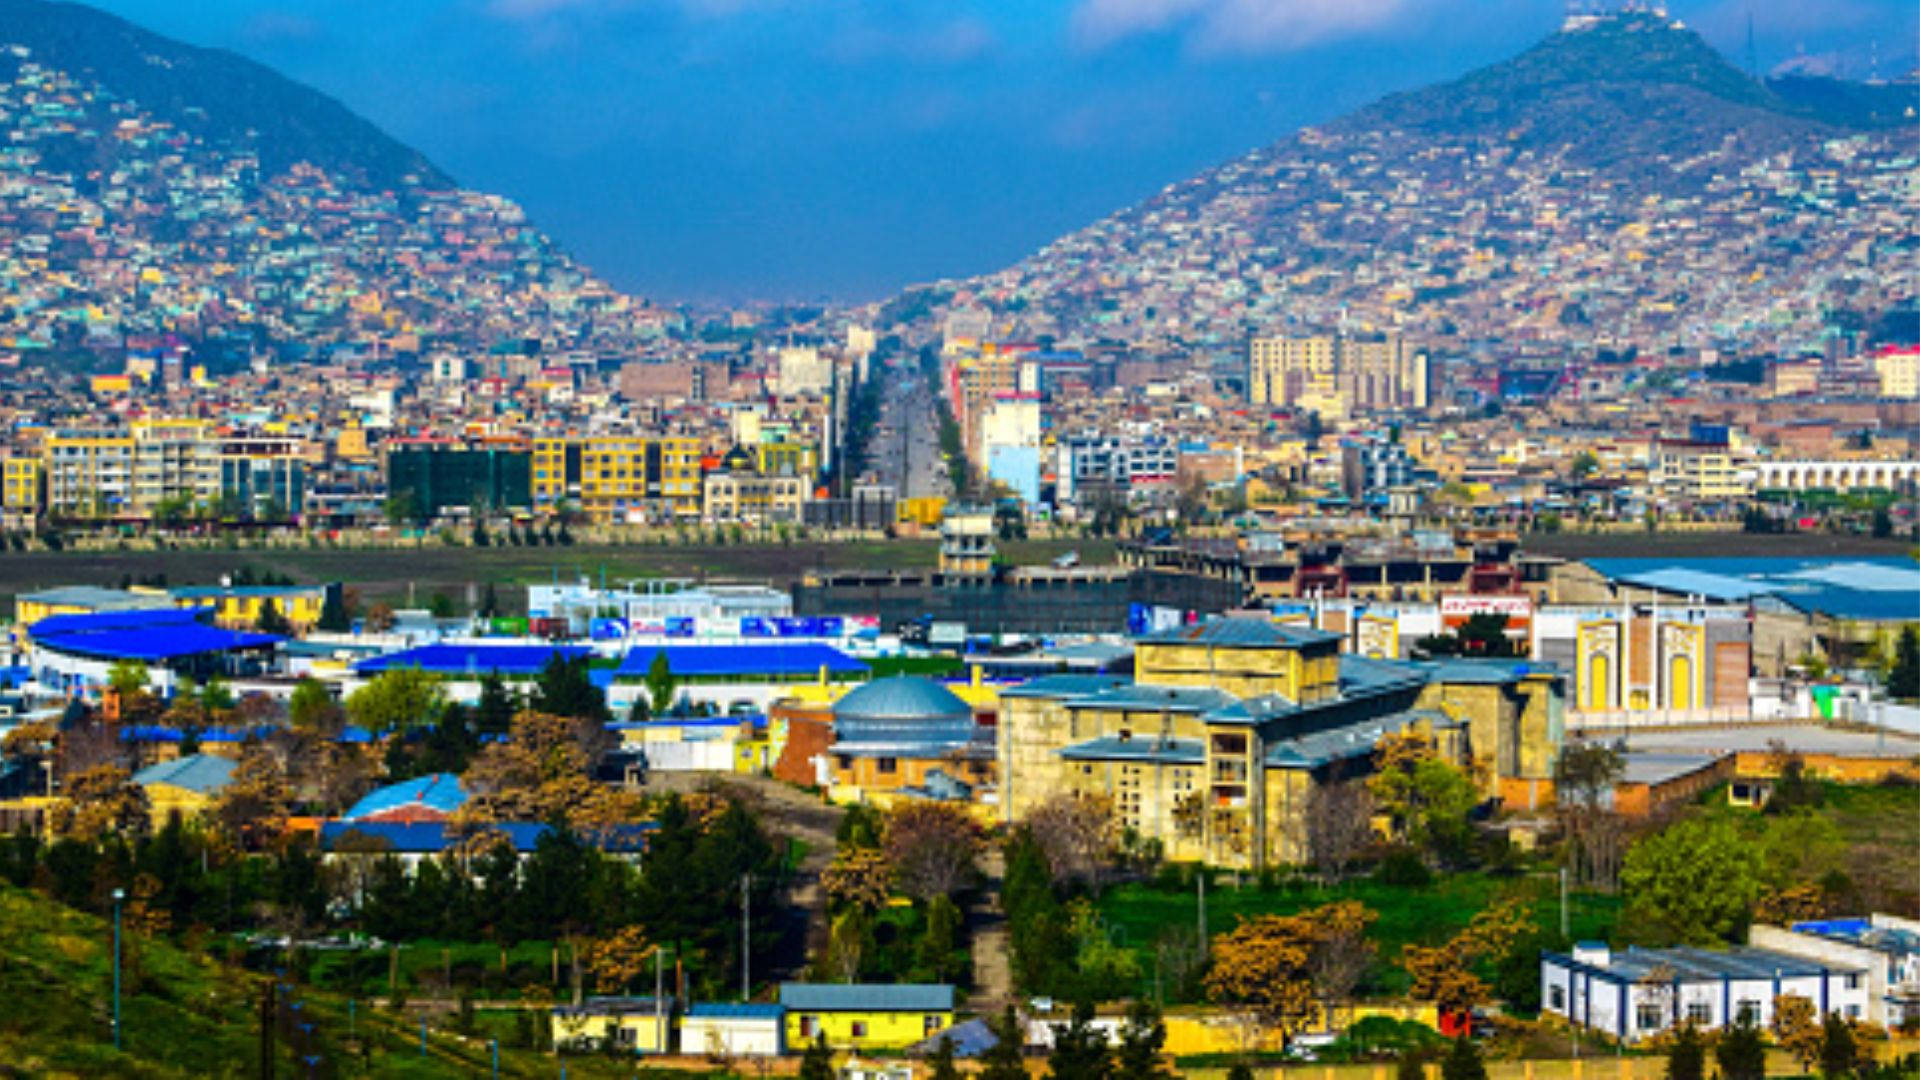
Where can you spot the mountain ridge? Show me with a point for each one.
(1401, 208)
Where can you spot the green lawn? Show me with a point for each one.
(1138, 915)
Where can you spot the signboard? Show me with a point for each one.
(507, 627)
(1517, 610)
(607, 629)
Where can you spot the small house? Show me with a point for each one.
(865, 1016)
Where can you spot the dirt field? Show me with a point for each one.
(393, 575)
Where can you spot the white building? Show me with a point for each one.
(1886, 946)
(1637, 993)
(728, 1031)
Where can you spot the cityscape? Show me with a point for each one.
(1435, 595)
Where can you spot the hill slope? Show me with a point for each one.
(220, 98)
(185, 1015)
(153, 192)
(1617, 182)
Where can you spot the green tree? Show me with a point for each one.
(1694, 882)
(311, 707)
(1240, 1071)
(216, 696)
(660, 684)
(1141, 1041)
(493, 714)
(398, 699)
(1080, 1050)
(1839, 1052)
(1006, 1058)
(1903, 679)
(489, 603)
(271, 621)
(1463, 1061)
(129, 679)
(940, 1064)
(1426, 798)
(1741, 1053)
(1687, 1055)
(334, 617)
(441, 606)
(817, 1062)
(563, 688)
(1412, 1065)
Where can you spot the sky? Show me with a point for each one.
(727, 151)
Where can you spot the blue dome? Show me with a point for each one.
(902, 711)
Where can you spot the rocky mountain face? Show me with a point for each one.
(1620, 182)
(154, 193)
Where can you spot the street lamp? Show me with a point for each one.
(118, 895)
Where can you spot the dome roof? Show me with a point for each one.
(903, 710)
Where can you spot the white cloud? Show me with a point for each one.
(1234, 26)
(955, 41)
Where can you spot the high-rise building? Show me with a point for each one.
(1337, 375)
(433, 479)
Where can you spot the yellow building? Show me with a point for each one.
(22, 487)
(239, 607)
(865, 1017)
(619, 478)
(1216, 748)
(635, 1025)
(1899, 372)
(187, 785)
(111, 473)
(1700, 472)
(30, 608)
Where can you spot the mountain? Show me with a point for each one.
(158, 195)
(1617, 182)
(220, 98)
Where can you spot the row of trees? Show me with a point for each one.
(925, 851)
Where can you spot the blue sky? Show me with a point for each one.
(726, 150)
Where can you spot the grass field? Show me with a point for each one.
(186, 1015)
(1137, 915)
(398, 576)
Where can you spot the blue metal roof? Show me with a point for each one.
(1138, 748)
(1875, 589)
(1240, 632)
(149, 635)
(866, 997)
(444, 659)
(721, 1010)
(425, 837)
(435, 791)
(203, 773)
(766, 659)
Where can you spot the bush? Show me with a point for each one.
(1403, 868)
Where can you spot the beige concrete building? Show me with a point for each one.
(1216, 747)
(1337, 375)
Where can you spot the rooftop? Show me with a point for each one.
(444, 659)
(733, 661)
(202, 773)
(866, 997)
(1242, 633)
(148, 635)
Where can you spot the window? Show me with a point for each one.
(1557, 997)
(859, 1029)
(1853, 1012)
(1748, 1012)
(808, 1027)
(1853, 980)
(1649, 1016)
(1699, 1013)
(887, 766)
(930, 1024)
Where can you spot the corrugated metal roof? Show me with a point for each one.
(866, 997)
(435, 791)
(902, 697)
(445, 659)
(721, 1010)
(1241, 633)
(1869, 588)
(203, 773)
(1064, 686)
(1689, 964)
(697, 661)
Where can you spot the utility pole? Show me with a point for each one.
(1200, 883)
(266, 1031)
(746, 941)
(118, 895)
(1563, 902)
(659, 1015)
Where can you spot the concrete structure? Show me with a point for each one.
(733, 1030)
(1885, 947)
(1638, 993)
(1337, 375)
(1216, 746)
(619, 478)
(905, 734)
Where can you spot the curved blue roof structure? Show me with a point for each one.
(444, 659)
(150, 636)
(734, 661)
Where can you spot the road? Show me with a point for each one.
(906, 443)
